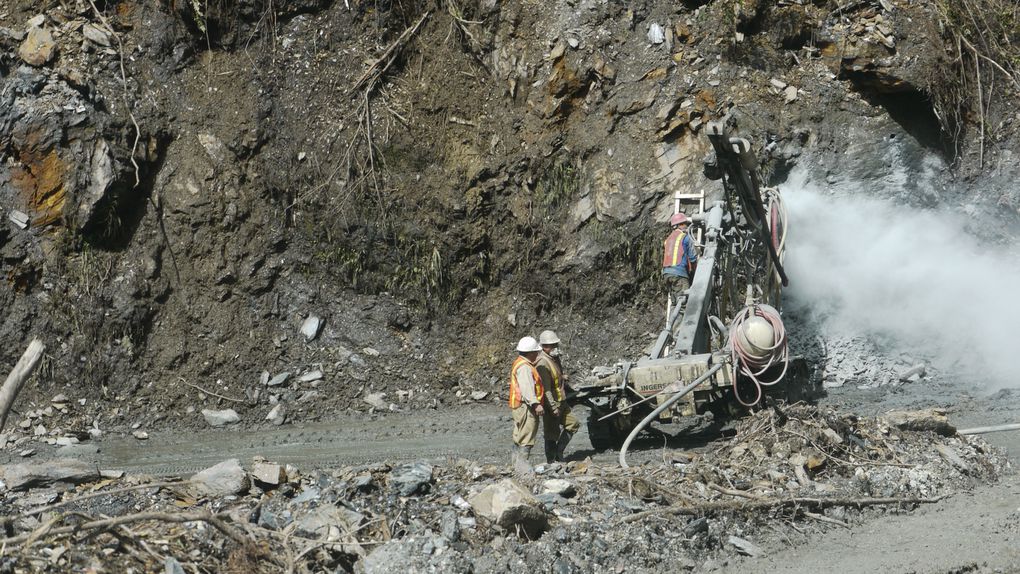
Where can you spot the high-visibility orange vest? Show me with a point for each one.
(554, 369)
(515, 391)
(673, 249)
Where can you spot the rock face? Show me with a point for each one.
(512, 507)
(224, 479)
(218, 248)
(28, 475)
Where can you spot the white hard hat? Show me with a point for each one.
(528, 345)
(548, 338)
(759, 336)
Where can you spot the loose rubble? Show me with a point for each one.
(815, 468)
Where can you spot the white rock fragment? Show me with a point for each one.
(279, 379)
(377, 400)
(220, 418)
(656, 35)
(269, 473)
(311, 376)
(790, 94)
(19, 218)
(277, 415)
(310, 328)
(224, 479)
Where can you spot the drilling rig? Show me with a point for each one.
(723, 347)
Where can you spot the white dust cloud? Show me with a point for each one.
(909, 276)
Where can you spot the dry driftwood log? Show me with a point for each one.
(17, 378)
(770, 503)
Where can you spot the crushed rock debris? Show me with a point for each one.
(840, 469)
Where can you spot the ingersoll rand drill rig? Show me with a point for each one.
(723, 347)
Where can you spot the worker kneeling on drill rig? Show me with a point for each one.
(679, 258)
(526, 395)
(558, 423)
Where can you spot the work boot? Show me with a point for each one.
(521, 465)
(561, 446)
(550, 451)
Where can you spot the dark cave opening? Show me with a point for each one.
(911, 108)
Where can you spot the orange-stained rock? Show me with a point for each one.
(40, 182)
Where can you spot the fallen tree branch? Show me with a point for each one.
(22, 370)
(377, 68)
(823, 518)
(107, 523)
(771, 503)
(732, 492)
(194, 386)
(43, 509)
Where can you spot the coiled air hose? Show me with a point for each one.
(758, 342)
(665, 405)
(777, 219)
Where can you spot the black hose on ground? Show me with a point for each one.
(665, 405)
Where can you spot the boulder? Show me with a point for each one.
(268, 473)
(220, 418)
(38, 48)
(513, 507)
(411, 478)
(224, 479)
(933, 420)
(28, 475)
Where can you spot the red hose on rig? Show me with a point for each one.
(757, 346)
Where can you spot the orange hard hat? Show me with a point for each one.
(677, 219)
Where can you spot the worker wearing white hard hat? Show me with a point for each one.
(558, 423)
(526, 396)
(679, 259)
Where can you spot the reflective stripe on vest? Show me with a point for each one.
(673, 249)
(555, 388)
(515, 393)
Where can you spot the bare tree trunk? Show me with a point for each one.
(21, 371)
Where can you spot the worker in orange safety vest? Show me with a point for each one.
(558, 424)
(526, 396)
(679, 259)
